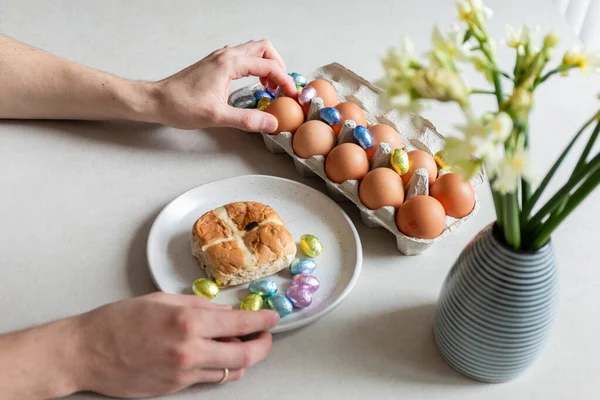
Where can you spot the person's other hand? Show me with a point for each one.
(161, 343)
(196, 97)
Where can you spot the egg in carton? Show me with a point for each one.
(415, 132)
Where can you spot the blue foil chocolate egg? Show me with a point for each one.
(330, 115)
(260, 94)
(280, 304)
(303, 266)
(299, 79)
(263, 287)
(362, 137)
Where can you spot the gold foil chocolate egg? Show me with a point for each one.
(263, 103)
(399, 161)
(440, 160)
(252, 302)
(311, 245)
(206, 288)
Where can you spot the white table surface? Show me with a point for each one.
(77, 199)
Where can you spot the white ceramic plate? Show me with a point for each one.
(303, 210)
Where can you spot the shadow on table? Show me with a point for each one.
(138, 275)
(396, 346)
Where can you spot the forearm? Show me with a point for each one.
(39, 363)
(38, 85)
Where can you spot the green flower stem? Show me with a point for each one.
(498, 204)
(512, 229)
(587, 149)
(527, 207)
(525, 186)
(582, 159)
(481, 91)
(557, 199)
(560, 68)
(555, 220)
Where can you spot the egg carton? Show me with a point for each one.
(415, 132)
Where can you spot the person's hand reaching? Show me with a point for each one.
(196, 97)
(163, 343)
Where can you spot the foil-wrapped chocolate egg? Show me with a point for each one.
(263, 103)
(262, 94)
(330, 115)
(306, 95)
(206, 288)
(299, 79)
(310, 281)
(252, 302)
(440, 160)
(280, 304)
(299, 295)
(362, 137)
(263, 287)
(271, 91)
(311, 245)
(246, 101)
(303, 266)
(399, 161)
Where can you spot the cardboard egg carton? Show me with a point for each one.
(415, 132)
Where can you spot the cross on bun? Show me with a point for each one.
(240, 242)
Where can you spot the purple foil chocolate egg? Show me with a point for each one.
(307, 280)
(306, 95)
(299, 295)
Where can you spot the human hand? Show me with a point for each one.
(196, 97)
(161, 343)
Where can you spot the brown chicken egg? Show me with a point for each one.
(383, 134)
(288, 113)
(381, 187)
(456, 195)
(349, 110)
(421, 217)
(348, 161)
(326, 91)
(313, 138)
(420, 159)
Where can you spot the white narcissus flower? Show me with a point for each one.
(583, 58)
(514, 36)
(451, 43)
(473, 10)
(441, 84)
(493, 159)
(511, 170)
(500, 127)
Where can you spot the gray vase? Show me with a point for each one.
(496, 308)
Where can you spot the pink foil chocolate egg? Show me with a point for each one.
(307, 280)
(299, 295)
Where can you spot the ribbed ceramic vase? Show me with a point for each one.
(496, 308)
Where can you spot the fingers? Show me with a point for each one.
(262, 49)
(253, 66)
(215, 375)
(248, 120)
(219, 324)
(188, 300)
(238, 355)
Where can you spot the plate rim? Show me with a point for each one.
(295, 324)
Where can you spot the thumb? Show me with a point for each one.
(250, 120)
